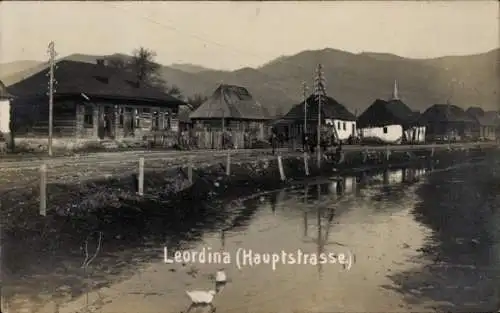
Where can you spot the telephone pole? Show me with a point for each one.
(52, 54)
(320, 92)
(304, 87)
(222, 105)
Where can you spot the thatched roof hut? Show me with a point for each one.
(446, 113)
(230, 102)
(484, 118)
(330, 109)
(392, 112)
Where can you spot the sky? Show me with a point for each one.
(231, 35)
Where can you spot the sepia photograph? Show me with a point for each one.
(249, 156)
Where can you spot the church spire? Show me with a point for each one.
(395, 95)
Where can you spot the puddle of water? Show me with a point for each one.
(392, 222)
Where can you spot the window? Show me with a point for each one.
(88, 116)
(137, 119)
(344, 126)
(155, 121)
(385, 130)
(338, 125)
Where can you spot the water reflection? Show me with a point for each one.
(371, 214)
(463, 261)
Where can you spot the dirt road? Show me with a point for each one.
(100, 165)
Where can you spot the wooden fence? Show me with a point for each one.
(214, 140)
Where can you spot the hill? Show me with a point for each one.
(7, 69)
(188, 68)
(355, 80)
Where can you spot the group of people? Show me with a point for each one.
(309, 143)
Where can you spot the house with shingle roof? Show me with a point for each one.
(334, 116)
(391, 121)
(231, 108)
(91, 101)
(448, 122)
(487, 123)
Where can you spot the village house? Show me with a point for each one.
(391, 121)
(448, 122)
(231, 109)
(5, 98)
(487, 123)
(335, 118)
(91, 101)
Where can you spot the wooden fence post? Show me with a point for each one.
(228, 164)
(432, 152)
(190, 170)
(280, 167)
(387, 153)
(43, 189)
(140, 183)
(306, 163)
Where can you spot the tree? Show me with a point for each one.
(173, 91)
(196, 100)
(145, 69)
(117, 62)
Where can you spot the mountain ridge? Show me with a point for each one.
(355, 80)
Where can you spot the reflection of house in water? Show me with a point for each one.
(324, 216)
(344, 185)
(410, 175)
(276, 199)
(394, 177)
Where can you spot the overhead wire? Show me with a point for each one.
(232, 49)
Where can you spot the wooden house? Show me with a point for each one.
(231, 109)
(335, 118)
(487, 123)
(91, 101)
(448, 122)
(390, 121)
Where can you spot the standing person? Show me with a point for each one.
(305, 140)
(274, 141)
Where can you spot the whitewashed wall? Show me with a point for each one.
(389, 133)
(344, 128)
(415, 134)
(4, 116)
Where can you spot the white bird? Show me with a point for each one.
(201, 298)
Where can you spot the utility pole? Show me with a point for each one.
(304, 87)
(221, 105)
(320, 92)
(52, 54)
